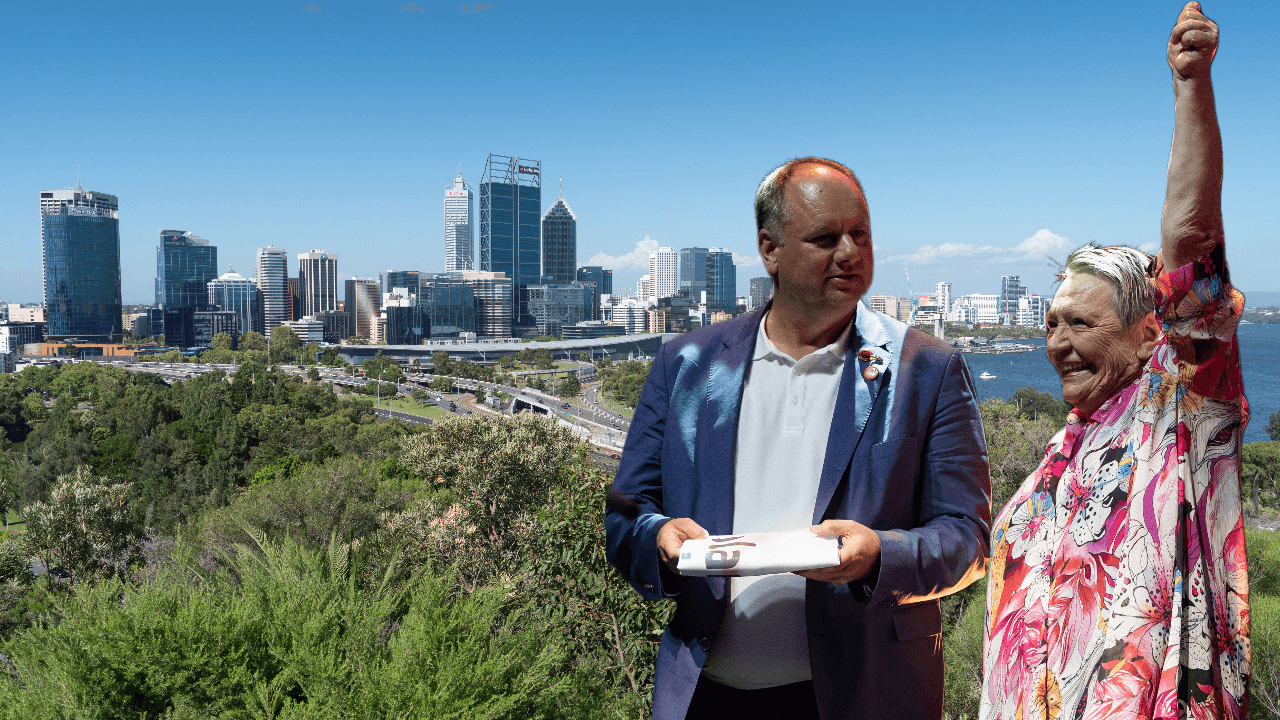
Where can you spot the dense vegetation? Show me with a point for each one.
(254, 546)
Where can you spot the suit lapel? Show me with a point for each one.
(856, 398)
(718, 428)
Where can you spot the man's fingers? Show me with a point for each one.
(1193, 31)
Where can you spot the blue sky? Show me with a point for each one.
(987, 135)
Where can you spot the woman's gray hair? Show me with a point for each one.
(1125, 270)
(772, 212)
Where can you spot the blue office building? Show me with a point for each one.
(693, 272)
(185, 264)
(510, 228)
(449, 304)
(722, 282)
(80, 238)
(559, 243)
(601, 281)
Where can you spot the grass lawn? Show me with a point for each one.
(615, 406)
(16, 523)
(406, 405)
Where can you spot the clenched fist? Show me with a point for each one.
(1192, 43)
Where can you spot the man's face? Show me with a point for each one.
(1094, 354)
(825, 262)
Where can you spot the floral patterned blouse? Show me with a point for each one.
(1118, 586)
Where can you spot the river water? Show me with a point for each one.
(1259, 360)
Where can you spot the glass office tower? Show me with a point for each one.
(693, 272)
(459, 204)
(392, 279)
(272, 279)
(185, 264)
(601, 280)
(722, 282)
(232, 291)
(449, 304)
(559, 244)
(510, 231)
(318, 272)
(80, 240)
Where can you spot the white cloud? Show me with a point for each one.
(741, 260)
(637, 259)
(1150, 247)
(1042, 243)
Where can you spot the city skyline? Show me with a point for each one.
(301, 125)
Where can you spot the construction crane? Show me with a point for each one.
(910, 294)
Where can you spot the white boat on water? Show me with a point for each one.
(986, 376)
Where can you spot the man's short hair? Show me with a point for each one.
(772, 212)
(1125, 270)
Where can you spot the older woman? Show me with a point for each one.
(1118, 586)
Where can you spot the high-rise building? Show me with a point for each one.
(761, 291)
(664, 271)
(555, 306)
(493, 298)
(364, 303)
(232, 291)
(602, 282)
(448, 303)
(975, 308)
(295, 299)
(337, 325)
(392, 279)
(185, 264)
(722, 282)
(510, 231)
(942, 298)
(693, 272)
(318, 272)
(1011, 290)
(405, 323)
(272, 271)
(80, 240)
(644, 287)
(459, 205)
(559, 244)
(629, 312)
(1031, 310)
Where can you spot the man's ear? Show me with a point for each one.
(768, 251)
(1148, 330)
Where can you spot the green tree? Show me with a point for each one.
(479, 394)
(8, 485)
(1273, 427)
(1034, 403)
(384, 369)
(252, 341)
(442, 363)
(443, 384)
(570, 386)
(313, 374)
(1015, 446)
(13, 423)
(85, 526)
(507, 361)
(284, 343)
(70, 350)
(584, 356)
(1260, 474)
(221, 341)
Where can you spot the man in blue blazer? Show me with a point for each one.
(814, 410)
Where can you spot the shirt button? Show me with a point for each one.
(795, 401)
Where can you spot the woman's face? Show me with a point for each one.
(1095, 355)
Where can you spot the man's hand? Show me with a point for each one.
(672, 536)
(1193, 43)
(858, 555)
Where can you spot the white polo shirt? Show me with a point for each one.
(787, 407)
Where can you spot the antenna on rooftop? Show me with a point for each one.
(78, 178)
(561, 186)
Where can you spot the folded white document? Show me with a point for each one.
(758, 553)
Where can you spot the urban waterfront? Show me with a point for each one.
(1259, 350)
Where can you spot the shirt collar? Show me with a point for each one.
(765, 349)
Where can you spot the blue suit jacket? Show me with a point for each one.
(905, 457)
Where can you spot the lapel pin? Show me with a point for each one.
(871, 373)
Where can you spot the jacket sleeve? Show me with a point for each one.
(949, 548)
(631, 531)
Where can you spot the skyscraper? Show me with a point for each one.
(510, 231)
(1011, 290)
(458, 206)
(602, 280)
(232, 291)
(942, 297)
(722, 282)
(448, 303)
(318, 271)
(693, 273)
(761, 291)
(363, 298)
(185, 264)
(392, 279)
(80, 240)
(664, 268)
(493, 295)
(273, 269)
(559, 244)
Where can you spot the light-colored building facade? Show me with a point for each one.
(1031, 310)
(761, 291)
(308, 329)
(493, 295)
(364, 303)
(942, 297)
(271, 273)
(664, 272)
(975, 308)
(629, 312)
(318, 271)
(555, 306)
(459, 208)
(233, 292)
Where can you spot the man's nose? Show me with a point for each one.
(847, 248)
